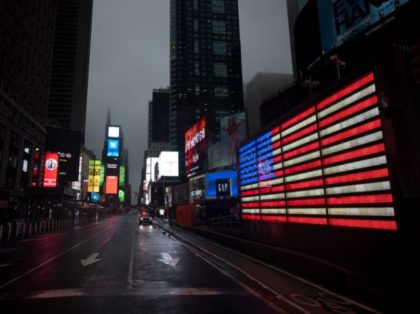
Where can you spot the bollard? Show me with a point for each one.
(36, 227)
(30, 228)
(1, 232)
(24, 230)
(17, 230)
(48, 225)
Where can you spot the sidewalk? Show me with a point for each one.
(266, 264)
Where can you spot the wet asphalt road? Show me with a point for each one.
(116, 266)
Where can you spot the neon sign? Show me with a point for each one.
(326, 165)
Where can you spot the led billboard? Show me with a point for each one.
(340, 20)
(326, 165)
(121, 195)
(150, 168)
(168, 164)
(113, 148)
(232, 133)
(67, 144)
(50, 170)
(111, 185)
(122, 176)
(221, 184)
(195, 148)
(94, 175)
(114, 131)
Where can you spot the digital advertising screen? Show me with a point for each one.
(121, 195)
(114, 131)
(325, 165)
(340, 20)
(111, 185)
(221, 184)
(94, 175)
(168, 164)
(195, 148)
(50, 170)
(113, 148)
(122, 176)
(150, 168)
(67, 144)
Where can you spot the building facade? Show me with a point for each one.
(70, 69)
(159, 116)
(25, 66)
(205, 66)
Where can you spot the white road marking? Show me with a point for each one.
(50, 260)
(68, 293)
(168, 259)
(314, 285)
(92, 259)
(244, 286)
(131, 263)
(5, 265)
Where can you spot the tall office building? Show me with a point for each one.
(26, 32)
(69, 77)
(159, 116)
(205, 63)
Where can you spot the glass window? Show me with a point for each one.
(219, 27)
(221, 91)
(218, 6)
(220, 69)
(197, 68)
(219, 48)
(196, 46)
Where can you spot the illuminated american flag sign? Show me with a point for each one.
(325, 165)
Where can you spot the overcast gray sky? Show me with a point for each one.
(130, 57)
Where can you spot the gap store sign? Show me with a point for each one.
(340, 20)
(326, 165)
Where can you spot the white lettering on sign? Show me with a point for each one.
(201, 135)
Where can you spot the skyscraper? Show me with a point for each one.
(205, 63)
(159, 116)
(26, 31)
(69, 77)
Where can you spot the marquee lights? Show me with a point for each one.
(326, 165)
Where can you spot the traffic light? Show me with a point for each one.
(415, 61)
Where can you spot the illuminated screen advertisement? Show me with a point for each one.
(195, 148)
(94, 175)
(340, 20)
(113, 148)
(150, 168)
(221, 184)
(50, 170)
(168, 164)
(114, 131)
(122, 176)
(121, 195)
(326, 165)
(111, 185)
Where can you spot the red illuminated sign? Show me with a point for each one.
(50, 170)
(327, 165)
(111, 185)
(195, 148)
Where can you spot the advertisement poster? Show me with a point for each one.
(195, 148)
(51, 170)
(168, 164)
(232, 133)
(340, 20)
(113, 148)
(68, 152)
(111, 185)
